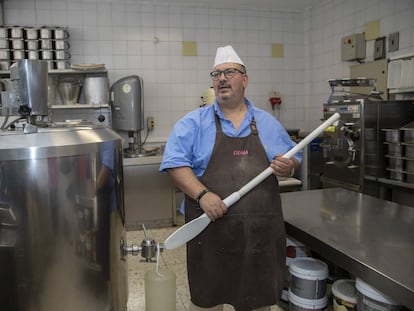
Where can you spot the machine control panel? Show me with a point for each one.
(344, 108)
(352, 109)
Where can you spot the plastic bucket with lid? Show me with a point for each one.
(344, 295)
(308, 277)
(297, 303)
(371, 299)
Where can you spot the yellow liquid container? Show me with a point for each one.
(160, 290)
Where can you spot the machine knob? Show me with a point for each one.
(355, 135)
(101, 118)
(24, 110)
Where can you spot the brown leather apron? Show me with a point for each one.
(238, 259)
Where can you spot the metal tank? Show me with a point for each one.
(61, 220)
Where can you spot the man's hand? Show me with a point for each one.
(282, 167)
(213, 206)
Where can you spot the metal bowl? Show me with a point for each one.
(395, 150)
(408, 135)
(395, 163)
(409, 166)
(397, 175)
(409, 151)
(392, 135)
(69, 92)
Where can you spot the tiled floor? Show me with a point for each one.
(172, 259)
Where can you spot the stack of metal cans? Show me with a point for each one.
(31, 42)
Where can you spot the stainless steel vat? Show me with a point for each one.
(61, 195)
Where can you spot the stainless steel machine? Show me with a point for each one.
(127, 105)
(61, 213)
(28, 96)
(353, 149)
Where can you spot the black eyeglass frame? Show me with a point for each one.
(229, 73)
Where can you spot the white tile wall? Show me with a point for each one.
(120, 34)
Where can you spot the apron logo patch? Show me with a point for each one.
(241, 152)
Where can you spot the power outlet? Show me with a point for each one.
(150, 124)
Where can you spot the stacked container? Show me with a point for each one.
(371, 299)
(5, 55)
(45, 43)
(408, 143)
(344, 295)
(308, 284)
(400, 153)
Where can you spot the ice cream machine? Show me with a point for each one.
(127, 105)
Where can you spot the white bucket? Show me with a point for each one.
(297, 303)
(308, 277)
(371, 299)
(344, 295)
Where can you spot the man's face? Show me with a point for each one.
(230, 82)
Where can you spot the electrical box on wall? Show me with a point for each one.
(379, 48)
(353, 47)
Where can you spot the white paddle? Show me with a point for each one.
(195, 226)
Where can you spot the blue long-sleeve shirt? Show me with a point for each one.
(192, 139)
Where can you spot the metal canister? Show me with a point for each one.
(33, 54)
(46, 33)
(16, 32)
(31, 33)
(61, 44)
(32, 44)
(4, 32)
(60, 33)
(46, 54)
(4, 43)
(46, 44)
(17, 44)
(19, 54)
(62, 55)
(4, 54)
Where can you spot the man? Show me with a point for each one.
(239, 259)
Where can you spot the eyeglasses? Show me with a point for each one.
(229, 73)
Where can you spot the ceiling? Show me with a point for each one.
(280, 5)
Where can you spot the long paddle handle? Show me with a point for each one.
(191, 229)
(235, 196)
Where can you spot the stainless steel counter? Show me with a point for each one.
(143, 160)
(371, 238)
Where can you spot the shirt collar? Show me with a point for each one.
(250, 109)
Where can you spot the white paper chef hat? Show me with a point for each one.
(227, 54)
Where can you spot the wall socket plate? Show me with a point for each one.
(150, 123)
(393, 42)
(379, 48)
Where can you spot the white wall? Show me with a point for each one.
(326, 25)
(120, 34)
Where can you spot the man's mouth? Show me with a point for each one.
(223, 87)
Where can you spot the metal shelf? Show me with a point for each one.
(65, 71)
(399, 91)
(396, 183)
(79, 106)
